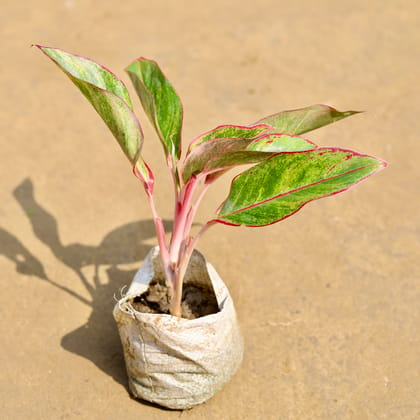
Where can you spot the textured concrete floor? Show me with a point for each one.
(328, 300)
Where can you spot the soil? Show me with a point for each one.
(196, 301)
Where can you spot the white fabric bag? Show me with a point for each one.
(176, 362)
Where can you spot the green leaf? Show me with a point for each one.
(107, 94)
(299, 121)
(280, 186)
(229, 131)
(160, 102)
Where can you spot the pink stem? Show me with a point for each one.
(187, 193)
(193, 210)
(190, 246)
(180, 251)
(161, 237)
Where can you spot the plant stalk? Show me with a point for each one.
(181, 220)
(176, 257)
(161, 237)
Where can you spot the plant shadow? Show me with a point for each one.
(97, 340)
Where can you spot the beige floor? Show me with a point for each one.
(328, 300)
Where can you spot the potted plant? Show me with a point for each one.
(177, 322)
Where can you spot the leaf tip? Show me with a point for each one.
(382, 163)
(138, 61)
(40, 47)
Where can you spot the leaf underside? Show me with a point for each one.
(259, 150)
(160, 102)
(106, 93)
(281, 185)
(229, 132)
(299, 121)
(214, 143)
(219, 154)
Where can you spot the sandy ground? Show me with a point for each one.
(328, 300)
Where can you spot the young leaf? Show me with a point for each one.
(106, 93)
(213, 142)
(280, 186)
(257, 151)
(219, 154)
(160, 102)
(229, 132)
(299, 121)
(142, 171)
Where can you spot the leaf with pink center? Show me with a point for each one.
(216, 155)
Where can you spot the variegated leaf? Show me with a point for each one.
(280, 186)
(160, 102)
(217, 155)
(229, 131)
(299, 121)
(106, 93)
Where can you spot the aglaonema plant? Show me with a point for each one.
(287, 172)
